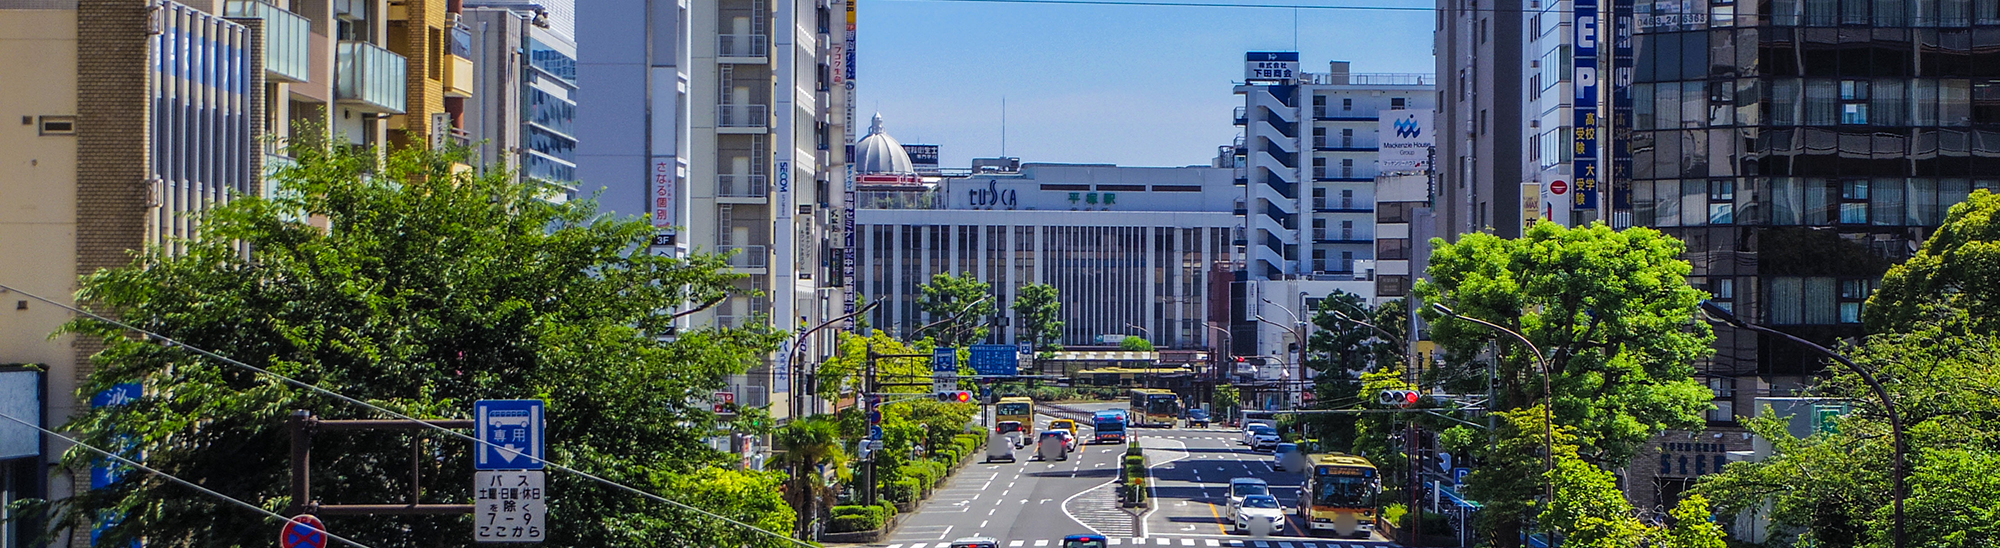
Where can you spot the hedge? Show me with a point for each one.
(902, 490)
(848, 523)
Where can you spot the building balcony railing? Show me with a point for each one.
(739, 186)
(743, 45)
(287, 39)
(1242, 116)
(1372, 79)
(745, 256)
(369, 77)
(742, 116)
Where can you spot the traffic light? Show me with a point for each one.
(1398, 398)
(954, 396)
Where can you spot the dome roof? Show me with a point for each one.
(878, 153)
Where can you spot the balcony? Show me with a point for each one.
(1242, 116)
(745, 256)
(370, 78)
(458, 71)
(742, 48)
(743, 117)
(739, 186)
(287, 39)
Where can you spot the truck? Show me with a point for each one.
(1108, 426)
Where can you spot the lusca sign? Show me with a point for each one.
(508, 493)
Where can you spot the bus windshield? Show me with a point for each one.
(1163, 404)
(1343, 491)
(1012, 408)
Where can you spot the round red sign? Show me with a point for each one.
(304, 531)
(1558, 187)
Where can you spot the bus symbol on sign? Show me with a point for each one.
(510, 432)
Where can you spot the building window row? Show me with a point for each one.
(1892, 102)
(1796, 201)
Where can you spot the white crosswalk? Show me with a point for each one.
(1174, 541)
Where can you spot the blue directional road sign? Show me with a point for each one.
(512, 432)
(995, 359)
(944, 360)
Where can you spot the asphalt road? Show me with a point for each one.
(1035, 504)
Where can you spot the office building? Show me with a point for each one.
(140, 115)
(1482, 124)
(1307, 162)
(1130, 249)
(717, 119)
(523, 111)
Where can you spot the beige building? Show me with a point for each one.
(141, 113)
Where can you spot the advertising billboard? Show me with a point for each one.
(1406, 141)
(1271, 66)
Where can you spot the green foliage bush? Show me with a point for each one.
(853, 522)
(902, 490)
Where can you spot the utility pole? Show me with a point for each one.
(869, 410)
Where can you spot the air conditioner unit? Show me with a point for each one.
(1534, 124)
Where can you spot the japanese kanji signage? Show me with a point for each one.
(508, 506)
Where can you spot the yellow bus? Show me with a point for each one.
(1155, 407)
(1339, 495)
(1018, 409)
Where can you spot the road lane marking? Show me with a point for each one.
(1187, 542)
(1213, 542)
(990, 512)
(1042, 542)
(1113, 541)
(1016, 543)
(1163, 541)
(982, 524)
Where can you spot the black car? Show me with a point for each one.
(1197, 418)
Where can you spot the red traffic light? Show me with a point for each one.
(1398, 398)
(964, 397)
(959, 396)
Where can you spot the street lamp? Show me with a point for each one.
(1548, 395)
(798, 400)
(1717, 314)
(1298, 334)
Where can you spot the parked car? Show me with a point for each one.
(975, 542)
(1260, 437)
(1241, 488)
(1084, 541)
(1197, 418)
(1258, 511)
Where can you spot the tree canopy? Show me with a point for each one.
(1135, 344)
(429, 287)
(1612, 311)
(1953, 282)
(1039, 309)
(960, 308)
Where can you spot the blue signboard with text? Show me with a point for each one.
(512, 432)
(995, 359)
(944, 360)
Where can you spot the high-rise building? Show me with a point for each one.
(1307, 161)
(1480, 118)
(717, 120)
(139, 115)
(523, 112)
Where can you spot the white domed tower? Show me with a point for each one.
(880, 160)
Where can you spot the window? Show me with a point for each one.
(1721, 202)
(1390, 249)
(1854, 102)
(1346, 168)
(1853, 293)
(1398, 103)
(58, 125)
(1346, 104)
(1854, 202)
(1347, 138)
(1347, 230)
(1347, 198)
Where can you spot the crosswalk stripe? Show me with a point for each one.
(1114, 541)
(1016, 543)
(1212, 542)
(1163, 541)
(1138, 541)
(1187, 542)
(895, 546)
(1043, 542)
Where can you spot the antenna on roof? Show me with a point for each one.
(1003, 126)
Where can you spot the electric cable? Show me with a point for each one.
(170, 477)
(1154, 3)
(171, 343)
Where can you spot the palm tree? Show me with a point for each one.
(808, 443)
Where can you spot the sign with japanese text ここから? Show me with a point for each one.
(509, 506)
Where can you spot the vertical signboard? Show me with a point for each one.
(663, 177)
(1557, 196)
(1583, 175)
(1406, 142)
(848, 253)
(1621, 113)
(1531, 205)
(104, 472)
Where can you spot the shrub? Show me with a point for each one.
(902, 490)
(853, 510)
(848, 523)
(888, 509)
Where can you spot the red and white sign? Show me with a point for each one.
(1558, 187)
(663, 192)
(723, 400)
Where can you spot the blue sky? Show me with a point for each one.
(1130, 85)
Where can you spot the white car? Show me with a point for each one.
(1260, 513)
(1259, 437)
(1242, 488)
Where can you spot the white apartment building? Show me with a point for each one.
(1307, 162)
(716, 119)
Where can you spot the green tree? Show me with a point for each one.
(1135, 344)
(960, 309)
(1834, 487)
(1953, 282)
(1340, 350)
(808, 443)
(1039, 309)
(1613, 313)
(429, 287)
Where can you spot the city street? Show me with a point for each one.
(1034, 503)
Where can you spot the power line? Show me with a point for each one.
(170, 343)
(1152, 3)
(170, 477)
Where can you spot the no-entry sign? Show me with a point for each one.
(303, 531)
(1558, 187)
